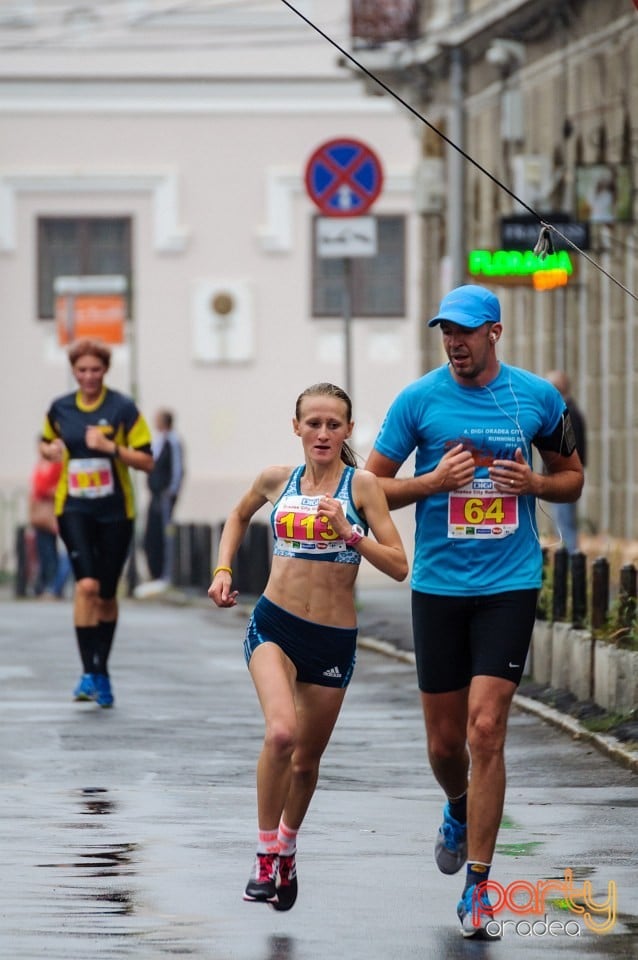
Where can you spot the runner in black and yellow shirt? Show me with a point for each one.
(97, 434)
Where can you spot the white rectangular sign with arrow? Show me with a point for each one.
(346, 236)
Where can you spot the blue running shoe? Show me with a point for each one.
(450, 849)
(85, 689)
(474, 910)
(103, 693)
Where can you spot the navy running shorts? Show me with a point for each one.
(321, 655)
(457, 638)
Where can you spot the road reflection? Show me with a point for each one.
(281, 948)
(95, 861)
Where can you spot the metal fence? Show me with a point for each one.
(13, 514)
(195, 548)
(587, 597)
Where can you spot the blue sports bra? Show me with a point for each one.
(298, 530)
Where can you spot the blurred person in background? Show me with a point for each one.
(53, 565)
(164, 484)
(97, 435)
(565, 515)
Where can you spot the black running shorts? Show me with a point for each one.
(457, 638)
(97, 549)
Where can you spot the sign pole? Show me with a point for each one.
(347, 323)
(343, 178)
(70, 330)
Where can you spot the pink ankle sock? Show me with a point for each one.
(287, 839)
(267, 841)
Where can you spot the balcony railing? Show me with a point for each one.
(380, 21)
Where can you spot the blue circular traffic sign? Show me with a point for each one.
(344, 177)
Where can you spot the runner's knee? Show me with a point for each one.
(280, 738)
(486, 734)
(88, 588)
(442, 749)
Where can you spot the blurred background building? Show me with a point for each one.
(165, 143)
(545, 98)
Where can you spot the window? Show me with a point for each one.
(378, 283)
(81, 246)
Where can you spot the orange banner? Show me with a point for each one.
(90, 315)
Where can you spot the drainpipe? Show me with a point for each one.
(605, 374)
(630, 353)
(456, 170)
(456, 246)
(584, 367)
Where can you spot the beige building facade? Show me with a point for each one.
(189, 127)
(544, 98)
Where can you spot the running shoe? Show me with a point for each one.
(85, 689)
(103, 694)
(154, 588)
(474, 910)
(286, 883)
(262, 886)
(450, 849)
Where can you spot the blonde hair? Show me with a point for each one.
(348, 455)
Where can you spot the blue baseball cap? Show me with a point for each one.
(469, 306)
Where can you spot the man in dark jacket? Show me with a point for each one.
(164, 483)
(566, 514)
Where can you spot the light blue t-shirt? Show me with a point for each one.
(475, 541)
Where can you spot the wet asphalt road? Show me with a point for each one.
(130, 832)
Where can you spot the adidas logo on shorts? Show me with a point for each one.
(332, 672)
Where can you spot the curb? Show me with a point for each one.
(388, 649)
(607, 745)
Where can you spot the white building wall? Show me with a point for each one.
(205, 150)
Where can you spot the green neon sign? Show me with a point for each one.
(516, 263)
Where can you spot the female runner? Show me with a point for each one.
(300, 641)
